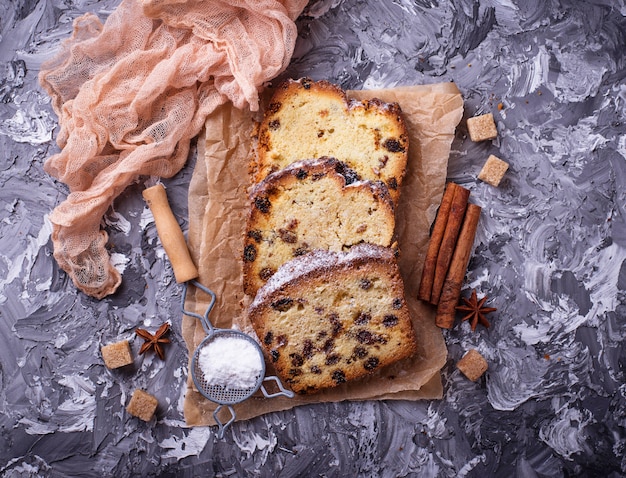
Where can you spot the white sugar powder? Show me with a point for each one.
(231, 362)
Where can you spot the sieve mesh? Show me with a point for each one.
(217, 393)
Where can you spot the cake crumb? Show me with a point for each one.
(142, 405)
(493, 170)
(482, 127)
(117, 354)
(473, 365)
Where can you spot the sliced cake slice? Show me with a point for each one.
(330, 317)
(308, 119)
(311, 204)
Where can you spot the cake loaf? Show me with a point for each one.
(326, 318)
(311, 204)
(307, 119)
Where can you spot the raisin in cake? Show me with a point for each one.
(329, 317)
(311, 204)
(307, 119)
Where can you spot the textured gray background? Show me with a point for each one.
(550, 252)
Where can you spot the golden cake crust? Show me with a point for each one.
(311, 204)
(327, 318)
(311, 119)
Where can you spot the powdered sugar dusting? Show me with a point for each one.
(350, 176)
(319, 260)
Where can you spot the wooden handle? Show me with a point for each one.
(170, 234)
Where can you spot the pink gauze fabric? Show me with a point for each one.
(130, 95)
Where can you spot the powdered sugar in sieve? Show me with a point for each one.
(228, 367)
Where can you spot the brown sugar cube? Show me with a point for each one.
(142, 405)
(473, 365)
(482, 127)
(493, 170)
(117, 355)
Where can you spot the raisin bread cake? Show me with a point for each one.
(311, 204)
(307, 119)
(329, 317)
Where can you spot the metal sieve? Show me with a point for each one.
(186, 272)
(225, 396)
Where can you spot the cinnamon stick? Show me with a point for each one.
(439, 227)
(451, 291)
(449, 240)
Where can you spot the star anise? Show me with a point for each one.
(476, 310)
(155, 341)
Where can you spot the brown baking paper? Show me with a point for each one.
(217, 215)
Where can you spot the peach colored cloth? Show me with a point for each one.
(130, 95)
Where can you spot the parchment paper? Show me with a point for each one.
(217, 215)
